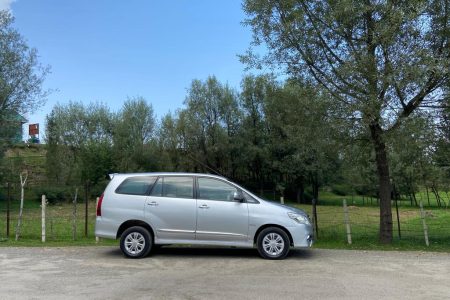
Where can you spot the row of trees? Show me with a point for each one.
(365, 104)
(288, 136)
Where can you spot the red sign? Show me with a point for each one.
(33, 129)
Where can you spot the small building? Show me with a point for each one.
(11, 125)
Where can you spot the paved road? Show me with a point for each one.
(187, 273)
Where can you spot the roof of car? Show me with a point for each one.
(166, 174)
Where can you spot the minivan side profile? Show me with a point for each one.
(148, 209)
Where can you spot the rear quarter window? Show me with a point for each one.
(138, 185)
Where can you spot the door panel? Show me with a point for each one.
(171, 208)
(219, 218)
(222, 220)
(172, 218)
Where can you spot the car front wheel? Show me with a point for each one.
(136, 242)
(273, 243)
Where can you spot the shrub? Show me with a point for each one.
(53, 194)
(341, 189)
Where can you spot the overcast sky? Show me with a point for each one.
(107, 51)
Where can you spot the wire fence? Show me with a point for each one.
(414, 226)
(65, 221)
(61, 224)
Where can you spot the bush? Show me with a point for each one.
(53, 194)
(341, 189)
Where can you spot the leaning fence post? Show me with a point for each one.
(425, 228)
(347, 222)
(97, 239)
(315, 223)
(43, 204)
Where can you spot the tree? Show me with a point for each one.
(254, 131)
(79, 143)
(442, 155)
(302, 141)
(380, 59)
(208, 124)
(133, 131)
(21, 77)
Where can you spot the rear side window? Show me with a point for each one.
(139, 185)
(174, 187)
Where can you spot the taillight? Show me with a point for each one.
(99, 205)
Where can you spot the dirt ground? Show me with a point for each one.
(205, 273)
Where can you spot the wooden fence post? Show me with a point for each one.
(398, 219)
(282, 200)
(97, 239)
(315, 223)
(8, 207)
(43, 205)
(347, 223)
(86, 209)
(74, 216)
(23, 181)
(425, 228)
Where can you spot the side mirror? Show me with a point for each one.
(238, 197)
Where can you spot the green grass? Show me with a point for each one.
(364, 222)
(59, 231)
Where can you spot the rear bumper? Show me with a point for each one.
(302, 235)
(105, 229)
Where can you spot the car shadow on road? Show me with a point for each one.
(205, 252)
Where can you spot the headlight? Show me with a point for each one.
(302, 219)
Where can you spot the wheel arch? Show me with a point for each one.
(130, 223)
(261, 228)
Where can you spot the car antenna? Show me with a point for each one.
(204, 165)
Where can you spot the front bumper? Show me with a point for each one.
(302, 235)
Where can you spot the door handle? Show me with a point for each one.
(153, 203)
(204, 206)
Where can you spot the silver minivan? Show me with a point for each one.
(145, 210)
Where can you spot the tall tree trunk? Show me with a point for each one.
(315, 188)
(384, 183)
(301, 191)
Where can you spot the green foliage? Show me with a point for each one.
(21, 79)
(79, 144)
(133, 130)
(21, 74)
(341, 189)
(53, 194)
(380, 61)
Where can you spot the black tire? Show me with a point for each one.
(280, 248)
(139, 236)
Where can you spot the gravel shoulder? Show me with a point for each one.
(205, 273)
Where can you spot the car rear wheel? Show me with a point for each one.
(273, 243)
(136, 242)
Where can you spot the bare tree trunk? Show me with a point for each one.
(384, 184)
(23, 181)
(436, 194)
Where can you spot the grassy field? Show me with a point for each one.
(59, 225)
(363, 219)
(363, 214)
(364, 222)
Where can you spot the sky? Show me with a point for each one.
(106, 51)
